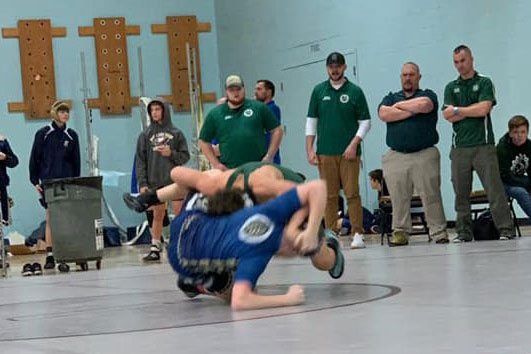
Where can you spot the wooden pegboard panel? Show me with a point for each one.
(110, 34)
(181, 30)
(37, 66)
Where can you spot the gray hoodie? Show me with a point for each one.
(153, 169)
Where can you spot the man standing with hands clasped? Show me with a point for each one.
(239, 125)
(338, 115)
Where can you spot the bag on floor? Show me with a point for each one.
(368, 220)
(484, 228)
(36, 235)
(111, 237)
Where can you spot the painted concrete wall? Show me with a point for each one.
(117, 134)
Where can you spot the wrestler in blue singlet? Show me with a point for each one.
(243, 241)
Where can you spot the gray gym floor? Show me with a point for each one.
(423, 298)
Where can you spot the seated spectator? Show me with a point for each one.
(514, 154)
(377, 181)
(371, 222)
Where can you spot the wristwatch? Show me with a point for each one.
(456, 111)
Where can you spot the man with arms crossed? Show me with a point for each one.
(413, 161)
(468, 101)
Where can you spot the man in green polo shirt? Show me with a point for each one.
(338, 115)
(468, 101)
(413, 161)
(239, 125)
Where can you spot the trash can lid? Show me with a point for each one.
(92, 181)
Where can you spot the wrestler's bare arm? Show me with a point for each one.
(244, 298)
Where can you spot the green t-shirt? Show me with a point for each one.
(338, 112)
(240, 132)
(471, 131)
(415, 133)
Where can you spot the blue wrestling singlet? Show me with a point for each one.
(243, 241)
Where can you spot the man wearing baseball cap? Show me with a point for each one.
(339, 117)
(239, 125)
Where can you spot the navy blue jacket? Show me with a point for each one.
(276, 111)
(55, 154)
(11, 161)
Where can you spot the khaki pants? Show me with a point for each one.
(339, 172)
(419, 170)
(484, 160)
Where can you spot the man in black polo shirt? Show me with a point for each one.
(413, 161)
(468, 101)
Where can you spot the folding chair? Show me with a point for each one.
(386, 209)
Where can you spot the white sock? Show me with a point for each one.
(156, 243)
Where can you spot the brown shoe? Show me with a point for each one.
(399, 238)
(441, 237)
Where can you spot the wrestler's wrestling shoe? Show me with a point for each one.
(339, 266)
(141, 202)
(136, 202)
(215, 284)
(189, 290)
(153, 255)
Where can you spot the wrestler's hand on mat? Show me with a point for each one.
(295, 294)
(312, 158)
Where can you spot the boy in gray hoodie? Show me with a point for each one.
(159, 148)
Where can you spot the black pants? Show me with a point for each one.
(4, 201)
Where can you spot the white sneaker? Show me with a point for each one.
(357, 241)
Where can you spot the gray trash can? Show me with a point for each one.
(74, 205)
